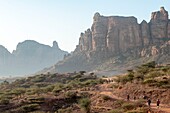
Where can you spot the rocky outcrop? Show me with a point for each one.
(119, 38)
(159, 15)
(118, 35)
(159, 26)
(115, 34)
(29, 57)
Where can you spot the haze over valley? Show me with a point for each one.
(29, 58)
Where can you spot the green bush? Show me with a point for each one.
(37, 112)
(139, 76)
(149, 81)
(116, 111)
(4, 101)
(151, 64)
(124, 79)
(105, 97)
(154, 74)
(30, 107)
(136, 111)
(67, 110)
(57, 88)
(38, 79)
(18, 91)
(71, 94)
(118, 103)
(166, 86)
(140, 103)
(85, 104)
(48, 88)
(37, 100)
(115, 86)
(128, 106)
(162, 83)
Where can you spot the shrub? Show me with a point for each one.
(57, 88)
(166, 86)
(140, 103)
(118, 79)
(26, 108)
(38, 79)
(151, 64)
(85, 104)
(30, 107)
(162, 82)
(149, 81)
(124, 79)
(18, 91)
(116, 111)
(136, 111)
(154, 74)
(35, 90)
(71, 94)
(67, 110)
(105, 97)
(48, 88)
(139, 76)
(165, 69)
(142, 70)
(4, 101)
(115, 86)
(128, 106)
(37, 100)
(37, 112)
(118, 103)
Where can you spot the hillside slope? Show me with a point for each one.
(86, 93)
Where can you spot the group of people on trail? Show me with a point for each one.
(148, 100)
(157, 102)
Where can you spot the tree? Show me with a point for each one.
(18, 91)
(85, 104)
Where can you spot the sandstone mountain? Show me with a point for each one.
(29, 57)
(117, 43)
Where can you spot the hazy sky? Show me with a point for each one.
(63, 20)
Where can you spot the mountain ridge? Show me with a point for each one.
(29, 57)
(121, 40)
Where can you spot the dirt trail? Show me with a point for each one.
(109, 92)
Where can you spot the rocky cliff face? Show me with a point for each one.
(119, 34)
(119, 38)
(29, 57)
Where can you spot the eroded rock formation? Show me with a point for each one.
(119, 38)
(118, 34)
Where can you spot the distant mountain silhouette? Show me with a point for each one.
(29, 57)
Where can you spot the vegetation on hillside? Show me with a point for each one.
(149, 73)
(82, 92)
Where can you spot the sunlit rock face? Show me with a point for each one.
(121, 38)
(117, 34)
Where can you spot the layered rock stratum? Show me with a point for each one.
(117, 42)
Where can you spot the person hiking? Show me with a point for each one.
(128, 97)
(149, 102)
(157, 103)
(134, 98)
